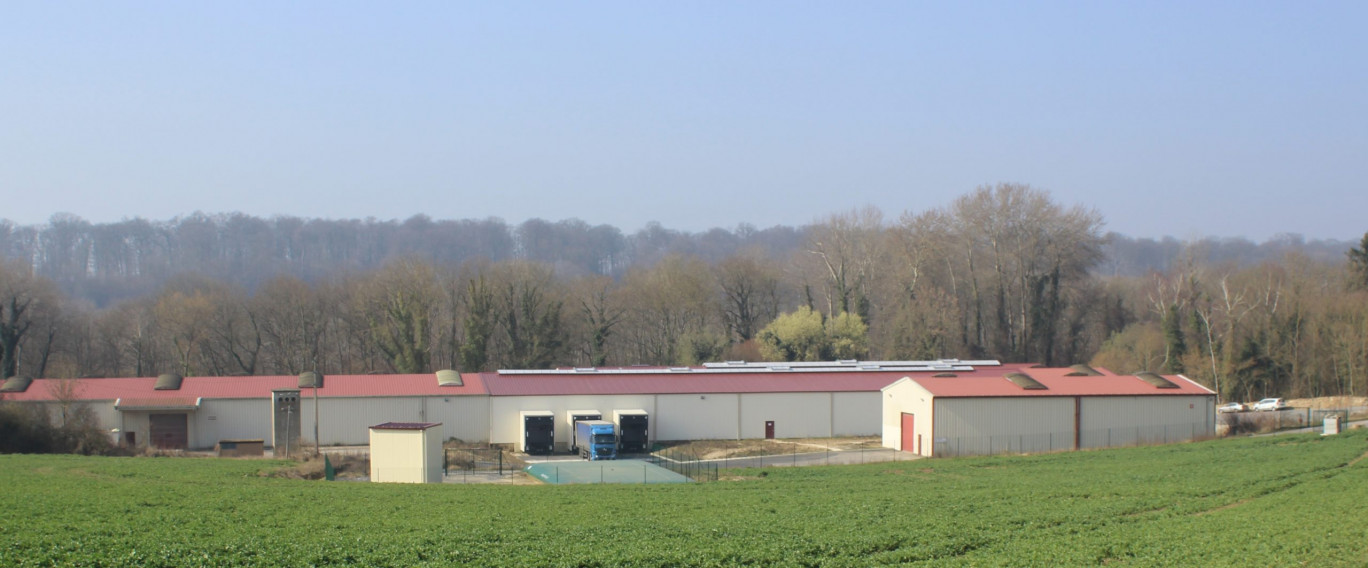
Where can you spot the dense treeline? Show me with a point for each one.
(109, 262)
(1003, 272)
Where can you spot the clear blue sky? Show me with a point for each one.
(1184, 119)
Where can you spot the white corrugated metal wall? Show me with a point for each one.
(855, 413)
(347, 420)
(232, 419)
(1109, 421)
(795, 415)
(989, 425)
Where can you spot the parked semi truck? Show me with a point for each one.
(633, 431)
(573, 417)
(596, 439)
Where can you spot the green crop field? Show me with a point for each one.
(1281, 501)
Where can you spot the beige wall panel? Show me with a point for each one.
(697, 417)
(405, 456)
(795, 415)
(976, 426)
(503, 413)
(1127, 420)
(233, 419)
(906, 397)
(855, 413)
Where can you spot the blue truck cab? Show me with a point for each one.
(596, 439)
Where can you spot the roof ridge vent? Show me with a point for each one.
(449, 378)
(16, 384)
(1156, 380)
(311, 380)
(586, 369)
(1082, 371)
(1026, 382)
(168, 382)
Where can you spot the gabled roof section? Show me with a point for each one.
(248, 387)
(1057, 382)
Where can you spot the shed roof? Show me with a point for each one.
(1057, 382)
(144, 388)
(406, 426)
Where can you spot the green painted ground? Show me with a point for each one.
(1279, 501)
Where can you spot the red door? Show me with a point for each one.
(769, 429)
(909, 433)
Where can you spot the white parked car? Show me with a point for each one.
(1232, 407)
(1269, 404)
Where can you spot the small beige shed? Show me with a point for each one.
(406, 452)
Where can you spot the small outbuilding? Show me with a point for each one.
(406, 452)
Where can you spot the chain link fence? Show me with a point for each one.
(701, 469)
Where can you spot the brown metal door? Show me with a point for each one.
(769, 429)
(169, 431)
(909, 434)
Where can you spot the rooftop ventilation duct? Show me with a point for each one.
(1025, 381)
(16, 384)
(168, 382)
(1156, 380)
(311, 380)
(449, 378)
(1082, 371)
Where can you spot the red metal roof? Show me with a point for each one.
(250, 387)
(1056, 384)
(699, 382)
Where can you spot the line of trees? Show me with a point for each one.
(1003, 272)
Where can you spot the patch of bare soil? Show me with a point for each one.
(314, 467)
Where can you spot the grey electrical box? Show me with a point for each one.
(285, 422)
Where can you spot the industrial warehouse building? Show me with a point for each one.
(1042, 410)
(733, 400)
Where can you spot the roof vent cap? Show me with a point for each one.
(1026, 382)
(449, 378)
(16, 384)
(311, 380)
(1156, 380)
(168, 382)
(1082, 371)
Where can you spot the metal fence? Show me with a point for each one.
(698, 469)
(1273, 420)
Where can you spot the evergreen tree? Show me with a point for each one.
(1175, 344)
(1358, 263)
